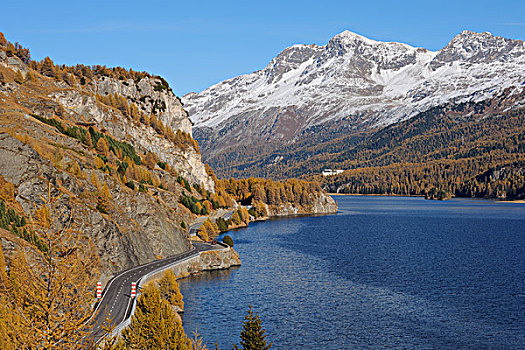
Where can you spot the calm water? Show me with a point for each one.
(384, 273)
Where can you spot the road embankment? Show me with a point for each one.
(216, 259)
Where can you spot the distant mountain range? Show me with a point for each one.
(323, 100)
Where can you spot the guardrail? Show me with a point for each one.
(127, 320)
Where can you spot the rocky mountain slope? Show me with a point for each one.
(310, 94)
(116, 146)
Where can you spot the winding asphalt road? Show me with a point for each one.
(116, 302)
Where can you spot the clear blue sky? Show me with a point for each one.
(194, 44)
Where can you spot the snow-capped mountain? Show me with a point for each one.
(351, 82)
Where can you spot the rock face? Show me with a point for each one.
(152, 95)
(220, 259)
(206, 261)
(349, 85)
(163, 103)
(10, 245)
(123, 193)
(141, 231)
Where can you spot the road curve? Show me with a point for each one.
(116, 302)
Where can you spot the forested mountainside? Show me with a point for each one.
(453, 147)
(468, 150)
(399, 120)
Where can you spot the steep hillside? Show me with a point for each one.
(311, 95)
(115, 144)
(116, 147)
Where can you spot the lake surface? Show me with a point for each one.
(384, 273)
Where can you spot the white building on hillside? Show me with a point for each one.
(328, 172)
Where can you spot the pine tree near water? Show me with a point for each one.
(252, 334)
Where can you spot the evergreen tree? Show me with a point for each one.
(222, 225)
(228, 240)
(252, 334)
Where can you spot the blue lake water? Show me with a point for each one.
(383, 273)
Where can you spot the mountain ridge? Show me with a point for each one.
(349, 85)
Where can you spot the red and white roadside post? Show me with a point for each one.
(99, 290)
(133, 289)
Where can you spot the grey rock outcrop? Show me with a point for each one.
(151, 95)
(323, 204)
(206, 261)
(141, 232)
(188, 162)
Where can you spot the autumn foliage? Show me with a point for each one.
(155, 324)
(256, 191)
(47, 294)
(169, 289)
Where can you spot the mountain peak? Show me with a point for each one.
(356, 77)
(348, 36)
(473, 47)
(469, 35)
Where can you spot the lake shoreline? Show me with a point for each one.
(496, 200)
(435, 265)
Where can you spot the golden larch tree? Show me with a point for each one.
(154, 324)
(49, 292)
(102, 146)
(169, 289)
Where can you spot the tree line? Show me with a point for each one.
(257, 191)
(69, 74)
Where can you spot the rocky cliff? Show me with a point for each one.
(117, 149)
(206, 261)
(149, 100)
(136, 230)
(323, 204)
